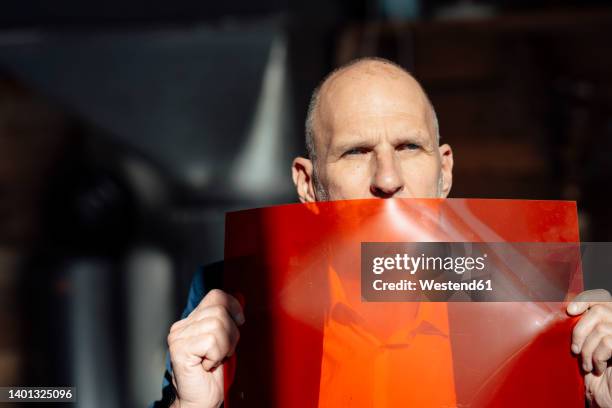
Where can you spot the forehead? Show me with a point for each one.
(371, 95)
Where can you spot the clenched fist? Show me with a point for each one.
(198, 346)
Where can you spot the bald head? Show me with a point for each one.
(371, 72)
(371, 132)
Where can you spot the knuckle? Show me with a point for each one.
(212, 350)
(579, 333)
(175, 349)
(210, 340)
(587, 350)
(175, 326)
(602, 350)
(216, 324)
(594, 312)
(600, 328)
(215, 295)
(220, 312)
(598, 354)
(173, 338)
(598, 311)
(606, 311)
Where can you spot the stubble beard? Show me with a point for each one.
(321, 193)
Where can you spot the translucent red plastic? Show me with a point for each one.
(310, 340)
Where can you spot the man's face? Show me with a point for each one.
(374, 137)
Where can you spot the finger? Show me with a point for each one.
(211, 365)
(217, 353)
(586, 324)
(176, 331)
(602, 354)
(178, 325)
(592, 342)
(207, 349)
(587, 299)
(223, 328)
(218, 297)
(218, 311)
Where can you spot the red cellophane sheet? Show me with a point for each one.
(310, 340)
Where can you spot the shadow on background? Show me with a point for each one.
(127, 132)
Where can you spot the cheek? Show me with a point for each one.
(349, 180)
(421, 177)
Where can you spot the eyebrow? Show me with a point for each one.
(354, 144)
(416, 136)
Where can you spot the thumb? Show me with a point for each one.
(586, 299)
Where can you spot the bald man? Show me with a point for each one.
(371, 132)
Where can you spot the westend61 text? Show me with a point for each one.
(430, 284)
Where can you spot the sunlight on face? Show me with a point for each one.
(375, 137)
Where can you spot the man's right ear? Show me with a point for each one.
(302, 170)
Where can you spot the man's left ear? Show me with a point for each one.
(301, 170)
(446, 158)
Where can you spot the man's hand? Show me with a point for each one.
(198, 346)
(592, 339)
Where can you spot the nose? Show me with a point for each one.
(387, 180)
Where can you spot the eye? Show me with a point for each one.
(356, 151)
(408, 146)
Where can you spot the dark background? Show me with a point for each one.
(127, 129)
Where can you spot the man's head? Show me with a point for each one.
(372, 132)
